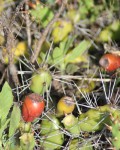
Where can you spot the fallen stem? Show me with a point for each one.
(45, 32)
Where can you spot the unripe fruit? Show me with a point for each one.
(48, 125)
(27, 141)
(40, 81)
(53, 140)
(71, 124)
(110, 62)
(25, 127)
(32, 107)
(65, 105)
(19, 50)
(61, 30)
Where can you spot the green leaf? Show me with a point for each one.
(42, 14)
(69, 43)
(71, 68)
(6, 101)
(3, 127)
(14, 120)
(77, 51)
(58, 53)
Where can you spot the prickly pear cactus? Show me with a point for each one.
(115, 130)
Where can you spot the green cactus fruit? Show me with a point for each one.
(49, 125)
(74, 144)
(78, 143)
(61, 30)
(93, 120)
(85, 87)
(116, 135)
(40, 81)
(52, 140)
(115, 130)
(110, 32)
(71, 124)
(25, 127)
(27, 141)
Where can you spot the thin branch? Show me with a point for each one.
(28, 25)
(82, 78)
(45, 32)
(10, 42)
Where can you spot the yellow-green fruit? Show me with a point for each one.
(76, 143)
(71, 124)
(40, 81)
(61, 30)
(52, 140)
(19, 50)
(25, 127)
(49, 125)
(65, 105)
(95, 119)
(110, 32)
(73, 15)
(27, 141)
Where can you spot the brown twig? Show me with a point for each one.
(28, 24)
(45, 32)
(3, 76)
(10, 42)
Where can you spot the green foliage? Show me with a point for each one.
(48, 125)
(27, 141)
(60, 56)
(71, 123)
(14, 120)
(77, 51)
(110, 32)
(67, 55)
(76, 143)
(52, 137)
(116, 135)
(52, 140)
(6, 101)
(92, 120)
(115, 130)
(42, 14)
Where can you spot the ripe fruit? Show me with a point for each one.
(40, 81)
(65, 105)
(110, 62)
(32, 107)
